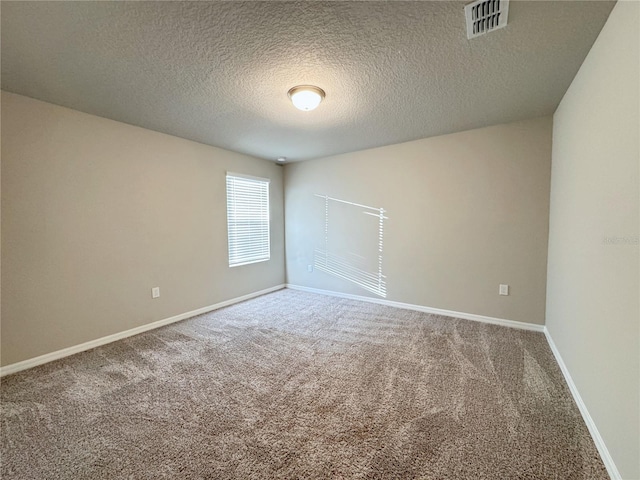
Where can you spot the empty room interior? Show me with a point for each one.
(308, 240)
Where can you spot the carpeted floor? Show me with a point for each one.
(293, 385)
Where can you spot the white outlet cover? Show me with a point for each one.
(504, 290)
(155, 292)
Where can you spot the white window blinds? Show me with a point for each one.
(247, 219)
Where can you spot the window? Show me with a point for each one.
(247, 219)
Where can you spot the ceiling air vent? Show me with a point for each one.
(484, 16)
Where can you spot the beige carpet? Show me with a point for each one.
(301, 386)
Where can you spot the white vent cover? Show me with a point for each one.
(484, 16)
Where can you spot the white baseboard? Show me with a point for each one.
(65, 352)
(593, 430)
(420, 308)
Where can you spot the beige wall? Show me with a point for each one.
(593, 290)
(467, 212)
(96, 212)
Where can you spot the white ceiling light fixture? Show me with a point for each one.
(306, 97)
(281, 159)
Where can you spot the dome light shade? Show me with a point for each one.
(306, 97)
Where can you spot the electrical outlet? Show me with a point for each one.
(155, 292)
(504, 290)
(309, 268)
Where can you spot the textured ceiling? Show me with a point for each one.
(219, 72)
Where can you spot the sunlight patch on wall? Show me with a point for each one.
(353, 243)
